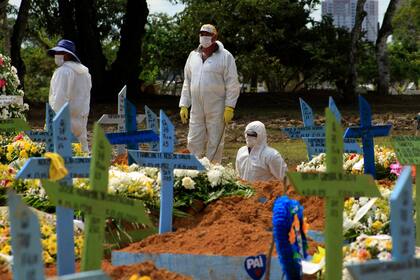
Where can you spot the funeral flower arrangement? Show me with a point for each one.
(19, 147)
(48, 238)
(385, 158)
(9, 83)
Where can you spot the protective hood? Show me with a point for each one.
(259, 128)
(77, 67)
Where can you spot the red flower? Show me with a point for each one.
(19, 137)
(2, 83)
(1, 61)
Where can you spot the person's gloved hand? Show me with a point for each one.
(183, 113)
(228, 114)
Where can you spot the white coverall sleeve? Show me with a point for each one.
(232, 85)
(278, 166)
(61, 88)
(185, 100)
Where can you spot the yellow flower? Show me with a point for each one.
(145, 278)
(47, 258)
(377, 225)
(34, 150)
(52, 248)
(46, 230)
(10, 148)
(388, 245)
(23, 154)
(9, 156)
(6, 249)
(368, 241)
(27, 146)
(318, 256)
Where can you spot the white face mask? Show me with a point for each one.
(59, 59)
(205, 41)
(251, 141)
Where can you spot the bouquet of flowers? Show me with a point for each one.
(9, 83)
(385, 158)
(19, 147)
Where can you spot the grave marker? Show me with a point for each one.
(166, 161)
(152, 123)
(316, 144)
(97, 204)
(334, 185)
(38, 168)
(407, 149)
(26, 240)
(403, 265)
(119, 119)
(47, 135)
(6, 100)
(367, 132)
(132, 138)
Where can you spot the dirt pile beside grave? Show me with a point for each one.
(232, 226)
(124, 272)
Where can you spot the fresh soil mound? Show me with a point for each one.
(231, 226)
(124, 272)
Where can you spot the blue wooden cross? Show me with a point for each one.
(119, 118)
(167, 161)
(403, 265)
(152, 123)
(316, 145)
(132, 138)
(367, 132)
(26, 240)
(78, 167)
(46, 136)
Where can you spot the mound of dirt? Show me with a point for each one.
(231, 226)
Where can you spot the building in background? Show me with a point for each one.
(344, 12)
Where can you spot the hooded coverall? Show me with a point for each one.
(71, 83)
(208, 87)
(261, 162)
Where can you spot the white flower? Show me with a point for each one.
(359, 165)
(215, 177)
(188, 183)
(205, 162)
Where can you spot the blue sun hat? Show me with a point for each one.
(64, 46)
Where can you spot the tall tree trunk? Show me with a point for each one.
(355, 36)
(381, 51)
(17, 38)
(89, 46)
(4, 28)
(126, 67)
(66, 11)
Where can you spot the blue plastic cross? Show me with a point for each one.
(78, 167)
(404, 265)
(367, 132)
(132, 138)
(119, 118)
(47, 135)
(167, 161)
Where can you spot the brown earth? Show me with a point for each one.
(232, 226)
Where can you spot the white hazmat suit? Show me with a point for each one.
(257, 161)
(71, 83)
(208, 87)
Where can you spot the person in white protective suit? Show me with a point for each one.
(211, 88)
(257, 161)
(71, 82)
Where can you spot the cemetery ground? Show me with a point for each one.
(238, 226)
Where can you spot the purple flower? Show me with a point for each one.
(396, 168)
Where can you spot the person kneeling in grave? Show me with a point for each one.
(257, 161)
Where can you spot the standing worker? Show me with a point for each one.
(71, 82)
(211, 88)
(257, 161)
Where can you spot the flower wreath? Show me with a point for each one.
(289, 229)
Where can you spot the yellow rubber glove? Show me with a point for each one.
(57, 169)
(228, 114)
(183, 113)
